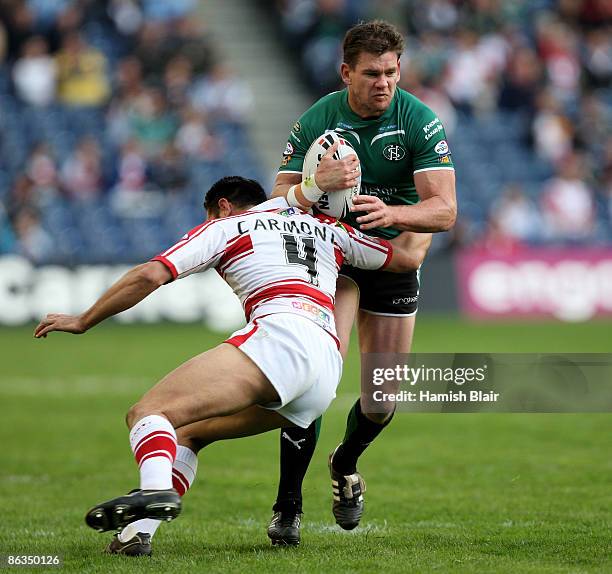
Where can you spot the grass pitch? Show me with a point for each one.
(460, 493)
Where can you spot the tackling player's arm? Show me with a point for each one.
(400, 255)
(415, 245)
(198, 250)
(408, 256)
(132, 288)
(331, 175)
(436, 210)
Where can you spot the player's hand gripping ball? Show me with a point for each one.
(334, 203)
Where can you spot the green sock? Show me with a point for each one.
(360, 432)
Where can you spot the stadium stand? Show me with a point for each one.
(116, 116)
(111, 127)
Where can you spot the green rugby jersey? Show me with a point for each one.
(406, 139)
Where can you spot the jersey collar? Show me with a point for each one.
(357, 120)
(274, 203)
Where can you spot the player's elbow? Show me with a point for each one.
(417, 256)
(153, 274)
(448, 215)
(405, 261)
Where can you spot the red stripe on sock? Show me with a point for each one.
(151, 435)
(179, 482)
(156, 454)
(165, 444)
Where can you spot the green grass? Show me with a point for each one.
(460, 493)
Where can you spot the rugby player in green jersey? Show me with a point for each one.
(407, 188)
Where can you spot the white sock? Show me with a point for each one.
(146, 525)
(153, 442)
(184, 469)
(183, 474)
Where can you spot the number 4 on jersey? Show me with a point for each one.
(302, 251)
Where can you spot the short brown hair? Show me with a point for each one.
(375, 37)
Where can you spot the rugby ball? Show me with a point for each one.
(336, 203)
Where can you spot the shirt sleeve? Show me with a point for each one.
(362, 251)
(429, 144)
(198, 250)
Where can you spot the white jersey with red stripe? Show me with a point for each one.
(277, 258)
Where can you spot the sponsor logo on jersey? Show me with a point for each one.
(445, 158)
(286, 160)
(435, 131)
(297, 126)
(289, 211)
(394, 152)
(441, 148)
(405, 300)
(430, 125)
(383, 193)
(288, 149)
(315, 313)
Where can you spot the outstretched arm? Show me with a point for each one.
(132, 288)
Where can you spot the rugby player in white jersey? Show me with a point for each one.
(282, 264)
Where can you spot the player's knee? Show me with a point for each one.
(143, 409)
(134, 414)
(383, 413)
(378, 418)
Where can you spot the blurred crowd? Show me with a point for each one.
(115, 115)
(540, 69)
(118, 106)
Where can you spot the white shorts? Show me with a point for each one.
(300, 359)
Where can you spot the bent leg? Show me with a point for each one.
(191, 438)
(250, 421)
(219, 382)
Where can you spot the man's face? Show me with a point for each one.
(371, 83)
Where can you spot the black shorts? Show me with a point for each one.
(385, 293)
